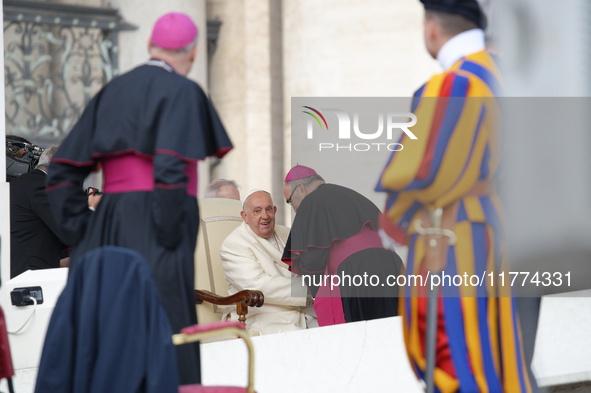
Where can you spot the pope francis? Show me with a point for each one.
(251, 256)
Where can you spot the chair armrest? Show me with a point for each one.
(249, 297)
(195, 333)
(208, 327)
(242, 299)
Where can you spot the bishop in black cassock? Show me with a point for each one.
(146, 129)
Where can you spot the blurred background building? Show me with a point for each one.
(255, 55)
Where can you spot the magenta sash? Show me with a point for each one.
(328, 304)
(131, 172)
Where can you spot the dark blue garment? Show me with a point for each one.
(109, 331)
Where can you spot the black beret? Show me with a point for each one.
(467, 8)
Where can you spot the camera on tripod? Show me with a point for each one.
(21, 157)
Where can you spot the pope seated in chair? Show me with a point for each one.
(251, 256)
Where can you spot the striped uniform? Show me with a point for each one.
(457, 150)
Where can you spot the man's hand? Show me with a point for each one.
(93, 201)
(65, 262)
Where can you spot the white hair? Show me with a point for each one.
(249, 194)
(181, 51)
(46, 156)
(212, 190)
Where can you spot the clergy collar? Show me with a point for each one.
(463, 44)
(160, 63)
(274, 240)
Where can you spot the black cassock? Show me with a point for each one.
(146, 129)
(326, 218)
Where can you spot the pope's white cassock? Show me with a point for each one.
(253, 262)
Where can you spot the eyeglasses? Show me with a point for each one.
(293, 192)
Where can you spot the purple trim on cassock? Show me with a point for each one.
(71, 162)
(174, 154)
(58, 185)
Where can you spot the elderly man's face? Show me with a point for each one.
(259, 214)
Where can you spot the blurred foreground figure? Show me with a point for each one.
(108, 331)
(146, 129)
(35, 241)
(442, 203)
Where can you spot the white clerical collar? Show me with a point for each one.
(463, 44)
(274, 239)
(159, 63)
(275, 242)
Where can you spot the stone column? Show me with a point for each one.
(246, 89)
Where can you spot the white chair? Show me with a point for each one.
(217, 218)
